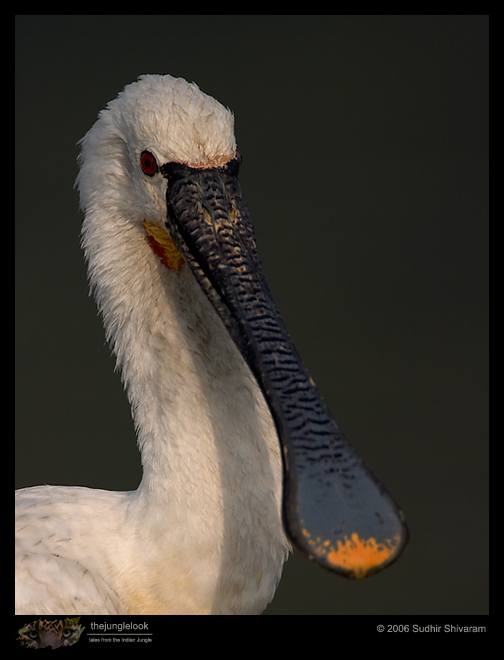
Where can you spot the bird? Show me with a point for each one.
(241, 459)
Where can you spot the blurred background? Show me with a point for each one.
(365, 166)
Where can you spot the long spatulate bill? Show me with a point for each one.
(335, 510)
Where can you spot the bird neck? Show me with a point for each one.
(204, 429)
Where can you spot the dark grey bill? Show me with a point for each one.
(334, 509)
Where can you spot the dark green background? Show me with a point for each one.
(365, 167)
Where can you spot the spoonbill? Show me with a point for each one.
(241, 459)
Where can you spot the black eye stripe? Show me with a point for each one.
(180, 170)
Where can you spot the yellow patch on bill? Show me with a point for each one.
(163, 246)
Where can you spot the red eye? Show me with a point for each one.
(148, 163)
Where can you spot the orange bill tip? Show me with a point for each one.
(356, 557)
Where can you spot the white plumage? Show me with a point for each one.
(202, 534)
(201, 346)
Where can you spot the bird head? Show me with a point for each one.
(154, 121)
